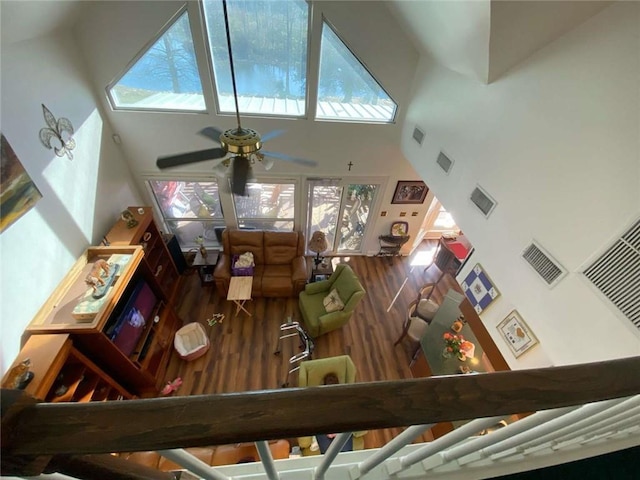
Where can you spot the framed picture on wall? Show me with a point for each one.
(517, 333)
(479, 289)
(19, 193)
(408, 191)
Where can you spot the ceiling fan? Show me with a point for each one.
(244, 144)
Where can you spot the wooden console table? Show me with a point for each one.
(140, 369)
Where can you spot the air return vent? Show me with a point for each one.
(418, 135)
(616, 273)
(483, 201)
(549, 269)
(445, 162)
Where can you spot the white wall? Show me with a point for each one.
(556, 143)
(77, 206)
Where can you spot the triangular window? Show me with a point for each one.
(269, 47)
(346, 89)
(164, 76)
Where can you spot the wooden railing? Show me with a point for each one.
(38, 437)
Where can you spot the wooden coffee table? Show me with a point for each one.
(240, 292)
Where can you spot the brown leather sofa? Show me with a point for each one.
(214, 456)
(280, 267)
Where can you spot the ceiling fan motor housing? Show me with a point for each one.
(241, 141)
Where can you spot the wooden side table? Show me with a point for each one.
(206, 266)
(321, 272)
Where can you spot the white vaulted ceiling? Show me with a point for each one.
(483, 39)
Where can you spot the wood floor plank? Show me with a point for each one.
(241, 356)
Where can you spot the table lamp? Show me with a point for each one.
(318, 244)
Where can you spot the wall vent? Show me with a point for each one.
(483, 201)
(544, 264)
(418, 135)
(616, 273)
(445, 162)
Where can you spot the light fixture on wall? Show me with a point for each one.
(60, 130)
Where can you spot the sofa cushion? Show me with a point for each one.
(247, 241)
(280, 248)
(276, 286)
(204, 454)
(277, 271)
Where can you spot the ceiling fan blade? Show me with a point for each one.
(191, 157)
(212, 133)
(289, 158)
(272, 134)
(240, 175)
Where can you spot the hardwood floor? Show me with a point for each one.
(241, 356)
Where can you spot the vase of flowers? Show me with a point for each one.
(456, 345)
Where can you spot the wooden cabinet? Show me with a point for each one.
(64, 374)
(157, 257)
(128, 333)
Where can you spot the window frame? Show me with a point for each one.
(142, 52)
(214, 82)
(391, 121)
(272, 181)
(222, 222)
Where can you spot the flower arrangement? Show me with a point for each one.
(456, 345)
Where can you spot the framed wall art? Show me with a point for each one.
(19, 193)
(517, 333)
(410, 192)
(479, 289)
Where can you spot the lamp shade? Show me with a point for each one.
(318, 242)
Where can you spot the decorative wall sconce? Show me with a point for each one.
(61, 130)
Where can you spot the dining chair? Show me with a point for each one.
(414, 328)
(445, 261)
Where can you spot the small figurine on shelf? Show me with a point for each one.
(94, 278)
(128, 217)
(19, 376)
(171, 386)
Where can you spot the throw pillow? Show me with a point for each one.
(333, 302)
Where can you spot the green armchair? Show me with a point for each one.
(312, 373)
(316, 319)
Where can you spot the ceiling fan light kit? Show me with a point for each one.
(243, 143)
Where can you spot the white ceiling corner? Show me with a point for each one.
(483, 39)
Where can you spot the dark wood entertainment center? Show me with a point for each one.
(76, 356)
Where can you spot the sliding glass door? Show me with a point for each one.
(341, 210)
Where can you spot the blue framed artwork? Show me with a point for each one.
(479, 289)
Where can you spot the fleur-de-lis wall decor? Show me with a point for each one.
(61, 130)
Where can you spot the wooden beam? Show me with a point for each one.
(164, 423)
(12, 405)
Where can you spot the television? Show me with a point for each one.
(132, 319)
